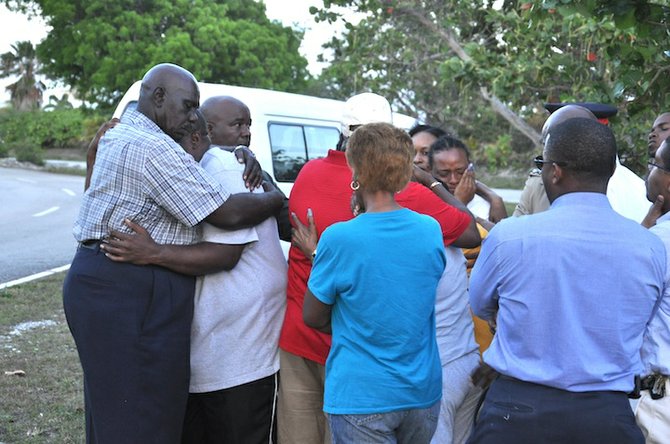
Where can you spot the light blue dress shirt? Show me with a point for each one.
(575, 286)
(656, 346)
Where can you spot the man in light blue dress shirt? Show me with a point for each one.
(653, 409)
(572, 289)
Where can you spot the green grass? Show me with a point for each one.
(65, 154)
(509, 178)
(46, 405)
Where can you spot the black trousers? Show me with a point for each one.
(245, 414)
(516, 412)
(132, 327)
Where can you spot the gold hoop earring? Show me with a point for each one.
(354, 185)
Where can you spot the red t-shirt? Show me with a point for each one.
(323, 186)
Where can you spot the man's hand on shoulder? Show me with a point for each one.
(252, 175)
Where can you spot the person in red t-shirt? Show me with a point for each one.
(322, 192)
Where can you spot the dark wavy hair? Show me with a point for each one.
(446, 143)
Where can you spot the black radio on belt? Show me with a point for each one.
(655, 384)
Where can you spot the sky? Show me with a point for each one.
(16, 27)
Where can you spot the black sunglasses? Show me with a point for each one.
(539, 162)
(653, 164)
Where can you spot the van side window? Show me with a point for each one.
(293, 145)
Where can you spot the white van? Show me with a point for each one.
(287, 129)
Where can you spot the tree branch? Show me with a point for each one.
(496, 104)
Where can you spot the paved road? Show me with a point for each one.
(37, 210)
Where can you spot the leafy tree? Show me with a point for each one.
(100, 48)
(484, 72)
(21, 61)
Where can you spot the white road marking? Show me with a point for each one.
(34, 277)
(68, 192)
(45, 212)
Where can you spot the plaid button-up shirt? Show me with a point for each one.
(141, 174)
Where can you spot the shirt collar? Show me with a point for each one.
(338, 157)
(664, 218)
(591, 199)
(136, 118)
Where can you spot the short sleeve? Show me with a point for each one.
(484, 278)
(453, 222)
(178, 184)
(225, 169)
(323, 280)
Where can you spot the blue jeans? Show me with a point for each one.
(404, 426)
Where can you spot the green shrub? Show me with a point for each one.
(30, 153)
(27, 134)
(499, 154)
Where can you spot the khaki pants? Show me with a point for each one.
(300, 416)
(653, 416)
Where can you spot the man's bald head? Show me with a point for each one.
(228, 121)
(565, 113)
(214, 104)
(163, 73)
(169, 96)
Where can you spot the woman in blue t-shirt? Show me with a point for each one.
(373, 284)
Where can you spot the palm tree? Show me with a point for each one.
(56, 104)
(26, 92)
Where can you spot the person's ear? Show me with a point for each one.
(210, 127)
(557, 174)
(193, 144)
(158, 96)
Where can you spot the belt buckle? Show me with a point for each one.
(90, 244)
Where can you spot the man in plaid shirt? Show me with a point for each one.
(131, 323)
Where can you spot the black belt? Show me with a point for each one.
(91, 244)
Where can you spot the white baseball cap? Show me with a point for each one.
(365, 108)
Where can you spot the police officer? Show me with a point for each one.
(626, 191)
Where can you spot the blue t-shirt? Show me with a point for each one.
(380, 272)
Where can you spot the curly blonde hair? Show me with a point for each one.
(381, 157)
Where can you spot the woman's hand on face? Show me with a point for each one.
(465, 190)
